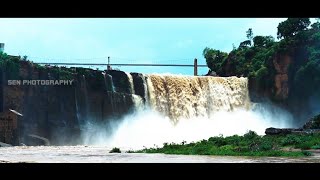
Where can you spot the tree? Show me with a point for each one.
(25, 58)
(233, 47)
(292, 26)
(245, 43)
(214, 58)
(263, 41)
(249, 34)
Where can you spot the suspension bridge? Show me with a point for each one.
(121, 62)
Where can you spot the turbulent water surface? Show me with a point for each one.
(94, 154)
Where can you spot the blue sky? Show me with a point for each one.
(128, 40)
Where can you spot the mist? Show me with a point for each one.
(148, 128)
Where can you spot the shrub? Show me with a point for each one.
(315, 147)
(306, 153)
(115, 150)
(250, 135)
(305, 145)
(266, 146)
(291, 140)
(218, 141)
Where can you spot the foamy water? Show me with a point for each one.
(100, 154)
(187, 108)
(148, 128)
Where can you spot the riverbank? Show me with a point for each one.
(250, 144)
(94, 154)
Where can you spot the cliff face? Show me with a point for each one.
(61, 113)
(279, 89)
(281, 64)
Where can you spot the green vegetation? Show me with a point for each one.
(10, 65)
(115, 150)
(292, 26)
(62, 73)
(250, 144)
(94, 77)
(313, 123)
(298, 39)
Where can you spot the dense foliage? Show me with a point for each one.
(10, 65)
(250, 144)
(115, 150)
(255, 60)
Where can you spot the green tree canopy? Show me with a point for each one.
(292, 26)
(214, 58)
(263, 41)
(245, 43)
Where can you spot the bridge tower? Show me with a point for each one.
(1, 47)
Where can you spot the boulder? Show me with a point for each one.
(35, 140)
(283, 131)
(313, 123)
(5, 145)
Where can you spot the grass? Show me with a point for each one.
(250, 144)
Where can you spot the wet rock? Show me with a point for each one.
(138, 82)
(120, 81)
(281, 64)
(5, 144)
(283, 131)
(35, 140)
(313, 123)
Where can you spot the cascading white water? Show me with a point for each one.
(189, 96)
(138, 102)
(111, 81)
(187, 108)
(130, 83)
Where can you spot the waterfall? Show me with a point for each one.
(146, 93)
(182, 108)
(85, 94)
(179, 97)
(130, 83)
(138, 102)
(110, 82)
(77, 107)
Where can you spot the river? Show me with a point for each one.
(100, 154)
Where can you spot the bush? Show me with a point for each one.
(227, 148)
(291, 140)
(306, 153)
(250, 135)
(266, 146)
(218, 141)
(315, 147)
(115, 150)
(305, 145)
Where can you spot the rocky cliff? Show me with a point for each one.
(61, 113)
(281, 64)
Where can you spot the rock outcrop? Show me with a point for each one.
(61, 113)
(313, 123)
(279, 131)
(312, 126)
(5, 144)
(281, 63)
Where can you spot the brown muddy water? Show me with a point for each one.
(95, 154)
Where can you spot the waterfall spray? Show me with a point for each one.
(187, 108)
